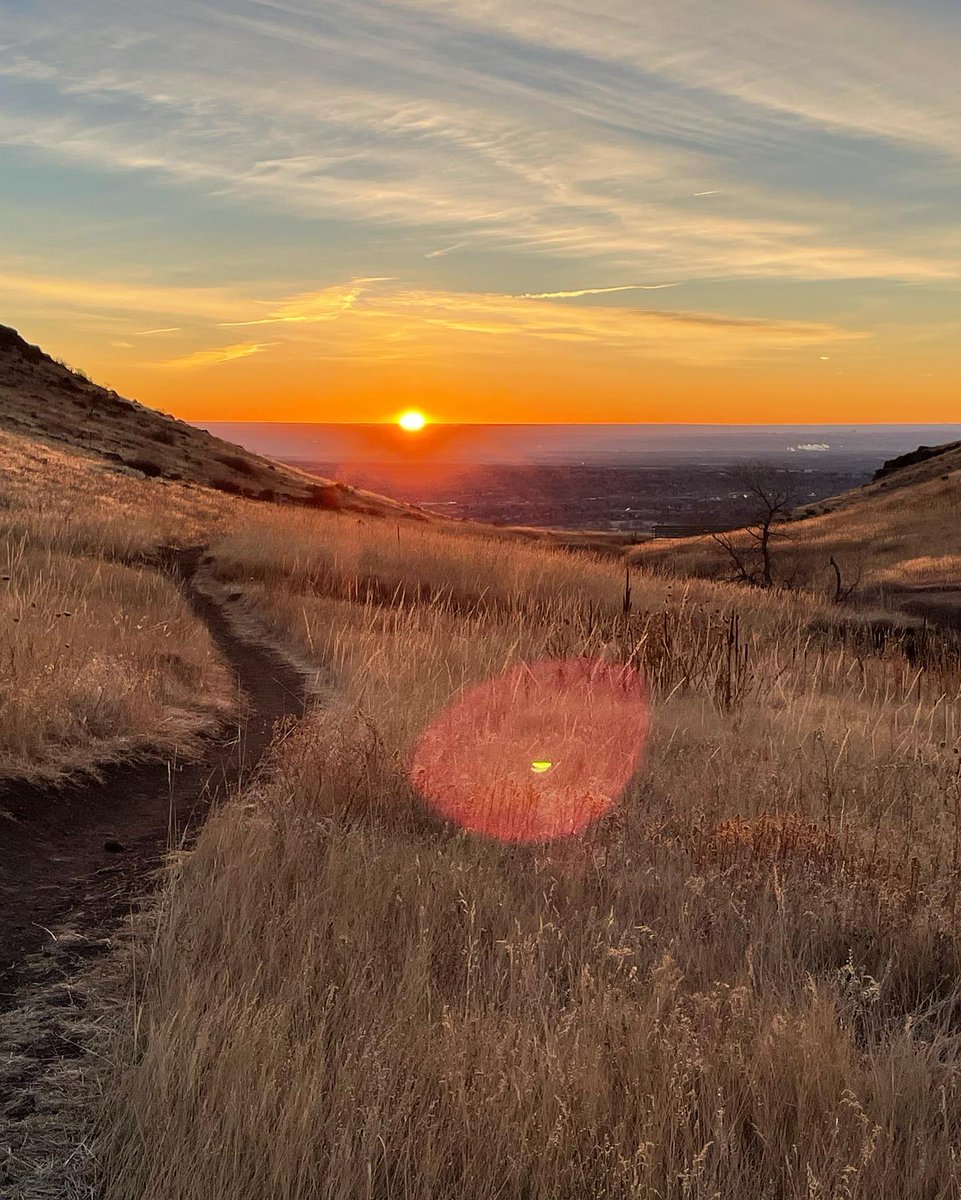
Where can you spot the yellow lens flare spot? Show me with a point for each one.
(412, 421)
(541, 768)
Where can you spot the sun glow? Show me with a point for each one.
(412, 421)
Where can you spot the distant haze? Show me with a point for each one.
(612, 477)
(589, 444)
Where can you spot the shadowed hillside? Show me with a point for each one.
(44, 400)
(926, 464)
(896, 537)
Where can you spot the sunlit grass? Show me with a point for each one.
(904, 537)
(741, 981)
(102, 656)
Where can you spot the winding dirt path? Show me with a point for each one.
(84, 850)
(73, 861)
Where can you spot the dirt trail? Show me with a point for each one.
(83, 850)
(73, 861)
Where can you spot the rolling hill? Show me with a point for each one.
(45, 401)
(894, 540)
(926, 464)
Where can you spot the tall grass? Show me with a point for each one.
(100, 660)
(741, 981)
(101, 655)
(885, 540)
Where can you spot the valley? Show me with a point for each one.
(744, 972)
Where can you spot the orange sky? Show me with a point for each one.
(489, 209)
(367, 350)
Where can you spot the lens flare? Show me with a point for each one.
(535, 754)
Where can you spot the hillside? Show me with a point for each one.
(346, 988)
(926, 464)
(895, 539)
(739, 969)
(45, 401)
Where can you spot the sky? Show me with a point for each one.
(492, 210)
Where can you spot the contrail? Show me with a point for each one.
(446, 250)
(602, 291)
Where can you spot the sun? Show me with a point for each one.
(412, 421)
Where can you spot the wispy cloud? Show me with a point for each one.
(572, 145)
(618, 330)
(580, 137)
(883, 76)
(138, 299)
(214, 357)
(598, 291)
(445, 250)
(382, 317)
(311, 307)
(385, 319)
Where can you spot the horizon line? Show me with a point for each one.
(598, 424)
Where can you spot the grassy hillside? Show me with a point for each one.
(44, 400)
(926, 464)
(894, 535)
(744, 980)
(103, 658)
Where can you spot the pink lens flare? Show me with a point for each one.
(537, 753)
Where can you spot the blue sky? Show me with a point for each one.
(393, 190)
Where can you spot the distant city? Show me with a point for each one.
(613, 477)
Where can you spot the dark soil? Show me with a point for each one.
(87, 849)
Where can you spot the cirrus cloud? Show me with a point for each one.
(215, 356)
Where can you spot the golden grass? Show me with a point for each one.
(102, 656)
(742, 981)
(78, 504)
(893, 539)
(100, 660)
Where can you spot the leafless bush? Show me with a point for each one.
(753, 557)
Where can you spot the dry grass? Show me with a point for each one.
(100, 660)
(47, 402)
(742, 981)
(102, 656)
(78, 504)
(885, 538)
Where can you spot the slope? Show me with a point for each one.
(46, 401)
(896, 536)
(926, 464)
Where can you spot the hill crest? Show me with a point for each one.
(44, 400)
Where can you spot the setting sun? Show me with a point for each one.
(412, 422)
